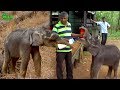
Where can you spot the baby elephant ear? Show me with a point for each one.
(36, 39)
(94, 51)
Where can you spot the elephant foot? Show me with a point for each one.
(13, 72)
(37, 77)
(94, 78)
(108, 77)
(115, 77)
(37, 74)
(20, 77)
(4, 72)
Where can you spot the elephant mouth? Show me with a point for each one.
(37, 44)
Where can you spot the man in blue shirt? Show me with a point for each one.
(103, 29)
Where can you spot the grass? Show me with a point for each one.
(114, 35)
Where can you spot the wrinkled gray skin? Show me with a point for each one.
(102, 55)
(21, 43)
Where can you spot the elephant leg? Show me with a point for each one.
(91, 71)
(9, 67)
(116, 70)
(95, 70)
(6, 62)
(91, 68)
(13, 64)
(5, 66)
(115, 74)
(37, 60)
(23, 67)
(25, 57)
(108, 76)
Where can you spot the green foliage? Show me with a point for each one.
(114, 34)
(111, 16)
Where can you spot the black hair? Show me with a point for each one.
(103, 17)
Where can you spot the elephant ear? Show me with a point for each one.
(93, 50)
(36, 39)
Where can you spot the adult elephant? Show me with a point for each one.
(21, 43)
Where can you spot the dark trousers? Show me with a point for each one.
(60, 57)
(104, 38)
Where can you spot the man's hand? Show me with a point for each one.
(93, 20)
(65, 39)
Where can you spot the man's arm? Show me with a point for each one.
(97, 22)
(108, 25)
(76, 35)
(93, 21)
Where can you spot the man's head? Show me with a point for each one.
(103, 19)
(63, 16)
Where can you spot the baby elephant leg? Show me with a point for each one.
(95, 70)
(5, 63)
(115, 67)
(37, 60)
(25, 57)
(108, 76)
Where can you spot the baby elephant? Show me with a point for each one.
(103, 55)
(20, 44)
